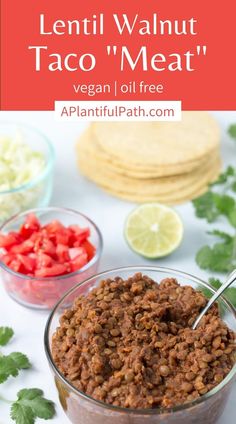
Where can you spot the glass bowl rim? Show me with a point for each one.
(141, 411)
(45, 170)
(63, 210)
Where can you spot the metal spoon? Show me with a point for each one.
(231, 278)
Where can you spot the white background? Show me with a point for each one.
(72, 190)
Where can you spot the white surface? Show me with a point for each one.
(72, 190)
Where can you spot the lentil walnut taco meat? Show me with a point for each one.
(129, 343)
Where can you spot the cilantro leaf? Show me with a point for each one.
(232, 131)
(31, 404)
(22, 414)
(232, 216)
(229, 177)
(230, 294)
(221, 234)
(6, 334)
(11, 364)
(224, 176)
(215, 282)
(233, 187)
(21, 361)
(218, 258)
(205, 206)
(211, 205)
(7, 368)
(226, 205)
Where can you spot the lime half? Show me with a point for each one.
(153, 230)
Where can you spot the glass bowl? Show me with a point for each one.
(81, 408)
(37, 192)
(45, 292)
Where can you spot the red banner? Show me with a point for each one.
(117, 50)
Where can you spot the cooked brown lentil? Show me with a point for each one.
(129, 343)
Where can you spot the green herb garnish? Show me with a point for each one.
(6, 334)
(10, 365)
(30, 403)
(229, 294)
(212, 204)
(232, 131)
(221, 257)
(218, 204)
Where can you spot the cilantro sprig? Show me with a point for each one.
(221, 256)
(30, 403)
(212, 204)
(217, 205)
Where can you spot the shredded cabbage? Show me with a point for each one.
(19, 164)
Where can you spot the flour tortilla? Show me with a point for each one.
(159, 144)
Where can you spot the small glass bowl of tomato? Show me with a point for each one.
(45, 252)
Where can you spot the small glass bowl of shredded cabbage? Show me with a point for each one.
(26, 169)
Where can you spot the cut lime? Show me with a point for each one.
(153, 230)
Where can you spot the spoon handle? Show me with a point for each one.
(228, 282)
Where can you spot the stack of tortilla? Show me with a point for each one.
(169, 162)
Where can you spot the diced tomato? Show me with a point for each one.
(43, 244)
(54, 227)
(28, 263)
(81, 235)
(76, 251)
(89, 248)
(30, 226)
(62, 252)
(16, 265)
(9, 240)
(32, 255)
(57, 233)
(62, 238)
(26, 246)
(45, 252)
(74, 228)
(48, 247)
(36, 238)
(43, 260)
(6, 259)
(56, 269)
(71, 237)
(78, 262)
